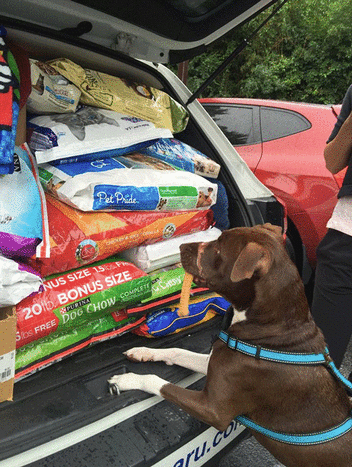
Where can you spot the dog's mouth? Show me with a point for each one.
(190, 260)
(199, 281)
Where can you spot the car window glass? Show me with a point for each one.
(277, 123)
(236, 122)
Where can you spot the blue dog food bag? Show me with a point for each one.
(183, 156)
(167, 321)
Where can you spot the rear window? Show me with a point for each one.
(278, 123)
(237, 123)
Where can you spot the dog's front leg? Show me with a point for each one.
(200, 404)
(191, 360)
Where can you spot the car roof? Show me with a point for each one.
(266, 102)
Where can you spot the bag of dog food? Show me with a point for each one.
(166, 321)
(166, 252)
(183, 156)
(124, 96)
(79, 296)
(9, 103)
(17, 281)
(166, 290)
(89, 134)
(62, 344)
(51, 92)
(78, 238)
(112, 184)
(23, 218)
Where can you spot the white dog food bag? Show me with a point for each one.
(88, 134)
(119, 184)
(166, 252)
(17, 281)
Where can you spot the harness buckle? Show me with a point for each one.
(327, 357)
(257, 354)
(232, 347)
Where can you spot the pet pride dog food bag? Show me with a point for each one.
(88, 134)
(120, 184)
(183, 156)
(62, 344)
(71, 300)
(78, 238)
(23, 218)
(166, 321)
(124, 96)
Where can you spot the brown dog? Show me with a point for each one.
(250, 268)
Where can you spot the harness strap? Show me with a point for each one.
(272, 355)
(339, 376)
(305, 439)
(259, 352)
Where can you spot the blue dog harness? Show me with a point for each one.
(261, 353)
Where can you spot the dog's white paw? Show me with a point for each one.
(125, 382)
(128, 381)
(141, 354)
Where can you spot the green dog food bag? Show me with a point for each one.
(66, 342)
(80, 296)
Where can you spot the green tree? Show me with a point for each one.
(303, 54)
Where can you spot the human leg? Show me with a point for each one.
(332, 296)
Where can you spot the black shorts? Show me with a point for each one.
(332, 297)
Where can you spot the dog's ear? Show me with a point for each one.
(273, 228)
(253, 258)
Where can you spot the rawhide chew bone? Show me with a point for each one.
(185, 292)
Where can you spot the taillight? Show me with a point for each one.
(340, 176)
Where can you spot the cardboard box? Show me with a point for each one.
(7, 352)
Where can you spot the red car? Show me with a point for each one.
(283, 144)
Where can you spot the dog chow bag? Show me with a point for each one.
(65, 343)
(71, 300)
(166, 290)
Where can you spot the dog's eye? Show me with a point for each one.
(217, 258)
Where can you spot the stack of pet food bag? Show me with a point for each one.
(101, 196)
